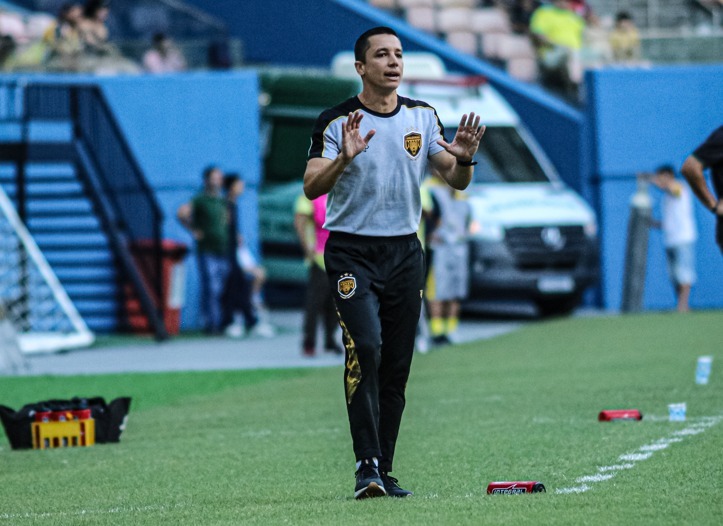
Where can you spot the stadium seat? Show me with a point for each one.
(521, 68)
(409, 4)
(515, 46)
(422, 18)
(453, 19)
(455, 3)
(491, 45)
(384, 4)
(464, 41)
(490, 20)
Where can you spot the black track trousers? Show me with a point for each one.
(376, 283)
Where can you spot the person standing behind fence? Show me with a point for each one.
(237, 304)
(448, 281)
(679, 233)
(708, 155)
(309, 220)
(206, 217)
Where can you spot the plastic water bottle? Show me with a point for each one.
(702, 370)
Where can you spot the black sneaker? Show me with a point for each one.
(391, 486)
(334, 348)
(441, 340)
(368, 482)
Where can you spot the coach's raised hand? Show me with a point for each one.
(321, 173)
(352, 143)
(466, 140)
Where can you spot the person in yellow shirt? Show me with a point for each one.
(557, 32)
(625, 39)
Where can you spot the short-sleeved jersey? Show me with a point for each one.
(210, 216)
(562, 27)
(710, 153)
(378, 192)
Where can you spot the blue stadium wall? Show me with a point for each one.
(638, 120)
(179, 124)
(176, 125)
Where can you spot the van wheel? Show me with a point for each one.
(558, 306)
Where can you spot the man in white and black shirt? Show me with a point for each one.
(370, 154)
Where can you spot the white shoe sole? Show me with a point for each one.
(372, 490)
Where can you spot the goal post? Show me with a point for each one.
(36, 304)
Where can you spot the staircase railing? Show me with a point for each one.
(115, 183)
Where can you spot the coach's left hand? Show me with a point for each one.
(466, 140)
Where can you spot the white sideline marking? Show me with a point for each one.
(82, 513)
(643, 453)
(636, 457)
(615, 467)
(655, 447)
(596, 478)
(574, 489)
(690, 431)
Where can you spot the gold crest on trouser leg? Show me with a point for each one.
(353, 369)
(346, 286)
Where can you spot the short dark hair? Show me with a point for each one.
(665, 168)
(623, 15)
(209, 170)
(362, 43)
(229, 180)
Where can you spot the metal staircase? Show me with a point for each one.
(78, 189)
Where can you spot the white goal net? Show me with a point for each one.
(34, 301)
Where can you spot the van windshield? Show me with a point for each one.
(504, 157)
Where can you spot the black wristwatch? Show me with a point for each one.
(466, 163)
(714, 208)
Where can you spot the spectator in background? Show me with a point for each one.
(99, 54)
(448, 281)
(427, 224)
(93, 29)
(625, 39)
(679, 233)
(520, 15)
(64, 41)
(557, 32)
(239, 316)
(7, 47)
(163, 56)
(708, 155)
(206, 217)
(219, 53)
(596, 51)
(309, 220)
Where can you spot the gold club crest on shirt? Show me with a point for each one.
(413, 143)
(346, 286)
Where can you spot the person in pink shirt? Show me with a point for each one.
(309, 223)
(163, 56)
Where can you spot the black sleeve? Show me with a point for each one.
(710, 153)
(317, 137)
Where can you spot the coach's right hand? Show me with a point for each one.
(352, 143)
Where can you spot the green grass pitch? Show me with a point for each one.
(273, 447)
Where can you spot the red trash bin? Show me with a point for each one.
(173, 276)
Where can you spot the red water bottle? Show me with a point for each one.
(515, 487)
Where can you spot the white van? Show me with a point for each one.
(535, 239)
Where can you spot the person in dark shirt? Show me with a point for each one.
(237, 292)
(708, 155)
(206, 217)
